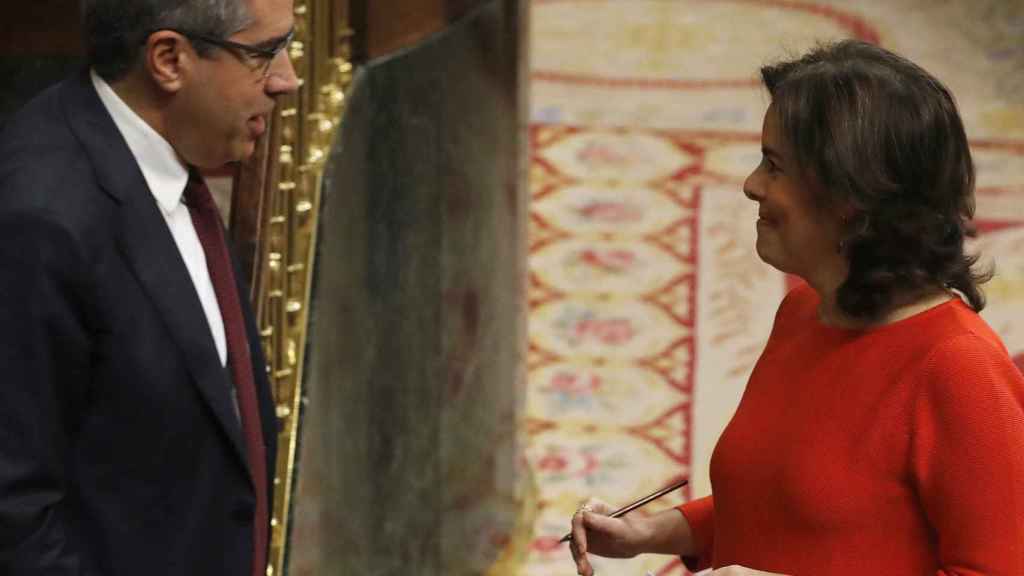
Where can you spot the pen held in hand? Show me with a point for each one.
(638, 503)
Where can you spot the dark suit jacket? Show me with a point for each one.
(120, 452)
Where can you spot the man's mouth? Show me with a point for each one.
(257, 125)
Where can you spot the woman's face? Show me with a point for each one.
(794, 234)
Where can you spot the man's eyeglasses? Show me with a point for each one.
(262, 54)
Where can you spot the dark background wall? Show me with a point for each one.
(40, 43)
(390, 25)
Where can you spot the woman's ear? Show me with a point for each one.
(168, 57)
(847, 212)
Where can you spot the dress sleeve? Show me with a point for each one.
(967, 457)
(700, 515)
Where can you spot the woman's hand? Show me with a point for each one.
(735, 570)
(593, 532)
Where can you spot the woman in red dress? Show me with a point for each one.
(882, 429)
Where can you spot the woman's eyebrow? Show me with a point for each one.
(767, 151)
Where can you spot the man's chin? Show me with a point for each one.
(241, 153)
(249, 150)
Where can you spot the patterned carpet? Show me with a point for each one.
(648, 305)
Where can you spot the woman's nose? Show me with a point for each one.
(750, 189)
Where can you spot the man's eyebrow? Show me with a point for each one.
(276, 41)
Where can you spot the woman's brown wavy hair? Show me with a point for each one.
(883, 139)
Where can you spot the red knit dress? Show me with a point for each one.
(894, 451)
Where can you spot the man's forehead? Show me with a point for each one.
(270, 18)
(271, 7)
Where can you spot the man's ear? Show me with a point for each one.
(168, 59)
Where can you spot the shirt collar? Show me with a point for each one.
(164, 172)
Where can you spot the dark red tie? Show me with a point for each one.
(209, 228)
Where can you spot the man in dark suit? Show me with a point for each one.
(136, 423)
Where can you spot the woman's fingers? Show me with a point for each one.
(582, 562)
(598, 507)
(578, 544)
(596, 523)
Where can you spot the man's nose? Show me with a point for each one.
(282, 78)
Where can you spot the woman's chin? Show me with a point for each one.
(768, 255)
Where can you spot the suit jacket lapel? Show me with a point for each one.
(150, 250)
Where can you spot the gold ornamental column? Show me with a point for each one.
(274, 223)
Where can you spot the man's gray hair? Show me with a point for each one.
(115, 31)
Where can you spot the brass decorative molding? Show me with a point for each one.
(300, 139)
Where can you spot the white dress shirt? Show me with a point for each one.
(166, 176)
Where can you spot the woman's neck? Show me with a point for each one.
(829, 277)
(826, 282)
(902, 306)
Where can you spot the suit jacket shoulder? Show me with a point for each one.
(46, 171)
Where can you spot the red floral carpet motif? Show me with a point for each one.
(614, 259)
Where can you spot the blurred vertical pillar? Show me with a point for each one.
(407, 454)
